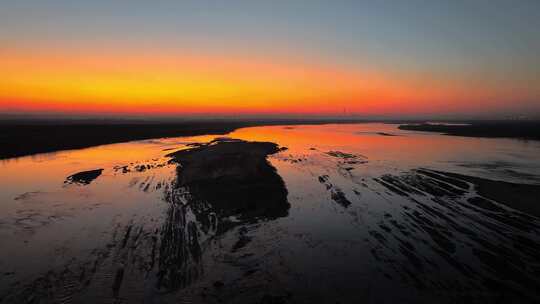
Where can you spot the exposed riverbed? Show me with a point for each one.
(326, 213)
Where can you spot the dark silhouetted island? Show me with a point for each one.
(493, 129)
(84, 177)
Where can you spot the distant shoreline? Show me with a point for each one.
(526, 130)
(20, 138)
(27, 137)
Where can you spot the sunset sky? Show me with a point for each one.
(368, 58)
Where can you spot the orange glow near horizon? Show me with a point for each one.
(157, 83)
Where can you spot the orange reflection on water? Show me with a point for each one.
(382, 144)
(43, 172)
(377, 141)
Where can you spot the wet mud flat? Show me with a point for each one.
(220, 186)
(433, 235)
(523, 197)
(235, 177)
(240, 221)
(486, 230)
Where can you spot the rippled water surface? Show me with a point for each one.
(369, 215)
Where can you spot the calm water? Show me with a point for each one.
(346, 236)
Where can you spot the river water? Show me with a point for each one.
(346, 236)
